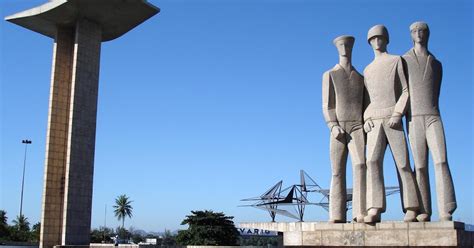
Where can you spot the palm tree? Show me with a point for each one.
(123, 208)
(22, 223)
(3, 217)
(3, 225)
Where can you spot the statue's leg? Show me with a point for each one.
(376, 145)
(338, 194)
(399, 148)
(419, 148)
(356, 147)
(444, 182)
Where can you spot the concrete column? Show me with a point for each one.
(56, 139)
(69, 169)
(81, 136)
(78, 28)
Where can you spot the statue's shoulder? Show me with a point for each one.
(357, 73)
(326, 76)
(409, 55)
(368, 67)
(434, 59)
(326, 73)
(330, 71)
(393, 57)
(409, 58)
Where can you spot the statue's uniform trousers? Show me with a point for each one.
(377, 140)
(353, 142)
(427, 132)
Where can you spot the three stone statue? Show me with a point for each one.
(370, 108)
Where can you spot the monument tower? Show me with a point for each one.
(78, 27)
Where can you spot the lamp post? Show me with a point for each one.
(26, 142)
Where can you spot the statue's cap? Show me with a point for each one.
(419, 25)
(347, 38)
(377, 30)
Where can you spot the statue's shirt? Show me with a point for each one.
(386, 86)
(424, 82)
(343, 95)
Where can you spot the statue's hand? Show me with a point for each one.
(395, 121)
(369, 124)
(337, 132)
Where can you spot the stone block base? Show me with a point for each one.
(108, 245)
(441, 234)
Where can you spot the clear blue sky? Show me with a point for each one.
(210, 102)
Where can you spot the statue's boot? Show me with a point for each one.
(423, 217)
(373, 216)
(359, 219)
(410, 216)
(446, 218)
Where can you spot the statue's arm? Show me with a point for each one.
(438, 82)
(366, 98)
(402, 102)
(329, 101)
(368, 124)
(405, 68)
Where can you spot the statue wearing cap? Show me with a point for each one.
(343, 104)
(387, 89)
(425, 128)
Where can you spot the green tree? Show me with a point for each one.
(3, 217)
(137, 237)
(123, 208)
(21, 223)
(102, 235)
(21, 229)
(123, 234)
(35, 232)
(4, 230)
(208, 228)
(168, 239)
(96, 236)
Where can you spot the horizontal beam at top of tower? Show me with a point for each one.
(116, 17)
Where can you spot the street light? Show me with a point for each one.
(26, 142)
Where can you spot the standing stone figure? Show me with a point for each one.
(343, 100)
(425, 128)
(387, 88)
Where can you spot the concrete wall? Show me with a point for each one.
(447, 233)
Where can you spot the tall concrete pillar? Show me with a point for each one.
(78, 28)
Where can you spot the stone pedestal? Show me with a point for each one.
(441, 234)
